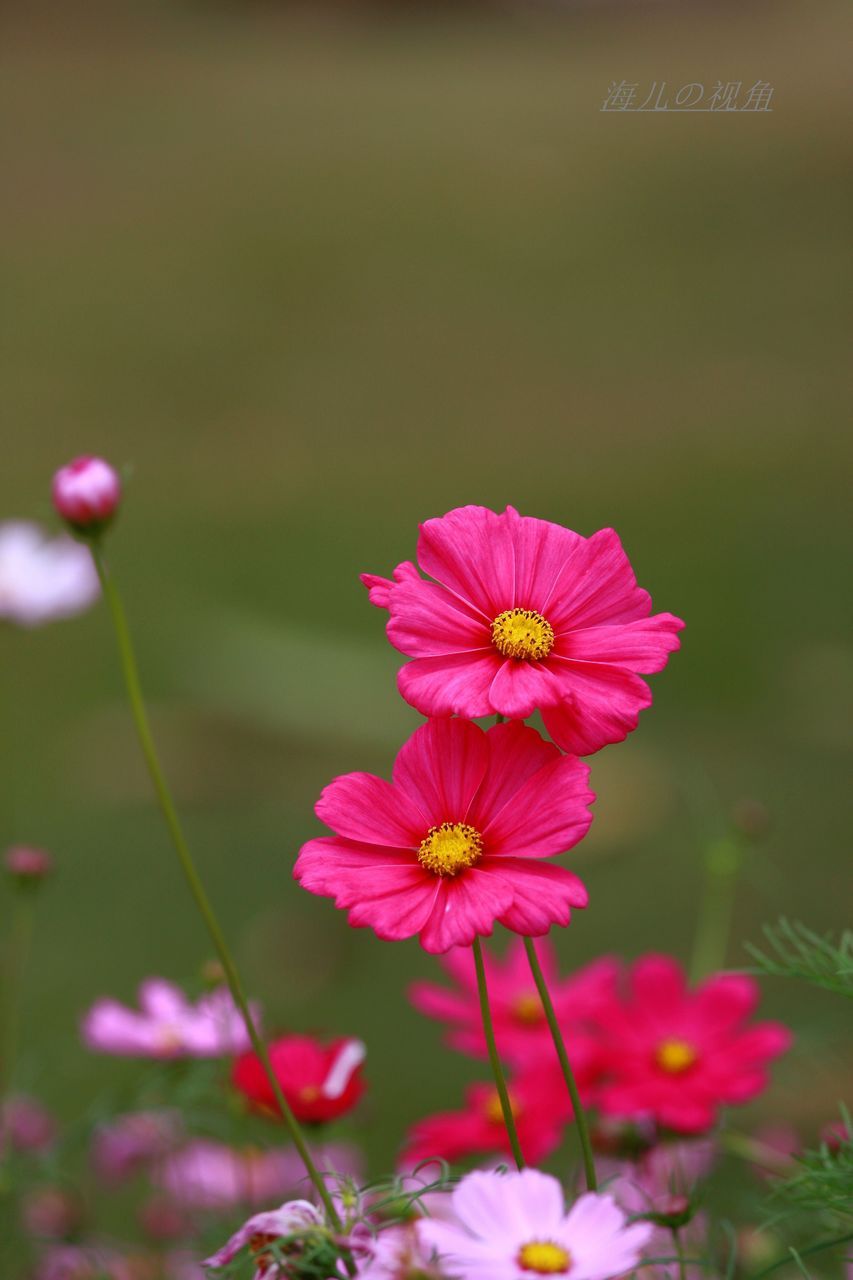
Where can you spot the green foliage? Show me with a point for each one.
(822, 1181)
(797, 952)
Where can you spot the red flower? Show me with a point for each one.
(320, 1082)
(677, 1056)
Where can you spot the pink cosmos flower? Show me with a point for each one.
(676, 1056)
(209, 1175)
(513, 1224)
(294, 1219)
(26, 864)
(398, 1253)
(167, 1025)
(540, 1107)
(457, 840)
(520, 1027)
(664, 1180)
(524, 615)
(131, 1142)
(42, 578)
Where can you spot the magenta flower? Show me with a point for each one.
(513, 1224)
(167, 1025)
(457, 840)
(524, 615)
(677, 1056)
(41, 578)
(540, 1107)
(519, 1019)
(294, 1219)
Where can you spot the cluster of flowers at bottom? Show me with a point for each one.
(493, 1226)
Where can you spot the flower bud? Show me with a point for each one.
(51, 1213)
(28, 865)
(25, 1124)
(86, 493)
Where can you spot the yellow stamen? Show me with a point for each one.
(528, 1008)
(450, 848)
(522, 633)
(544, 1257)
(309, 1093)
(494, 1111)
(675, 1056)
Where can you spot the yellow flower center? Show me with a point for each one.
(522, 633)
(545, 1257)
(450, 848)
(528, 1008)
(309, 1093)
(494, 1111)
(675, 1056)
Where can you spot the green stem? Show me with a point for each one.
(562, 1054)
(497, 1069)
(140, 717)
(676, 1240)
(809, 1249)
(722, 867)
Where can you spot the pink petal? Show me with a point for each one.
(643, 645)
(379, 589)
(457, 684)
(597, 586)
(725, 1000)
(470, 552)
(601, 704)
(548, 814)
(465, 906)
(542, 551)
(438, 1002)
(543, 894)
(427, 621)
(520, 688)
(440, 768)
(657, 982)
(516, 752)
(363, 807)
(162, 1000)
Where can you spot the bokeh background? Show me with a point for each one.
(313, 276)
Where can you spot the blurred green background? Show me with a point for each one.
(317, 277)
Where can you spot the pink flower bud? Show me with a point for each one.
(86, 493)
(28, 864)
(25, 1124)
(51, 1213)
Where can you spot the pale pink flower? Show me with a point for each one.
(167, 1024)
(398, 1253)
(510, 1225)
(42, 578)
(525, 615)
(295, 1218)
(463, 836)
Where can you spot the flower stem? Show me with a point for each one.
(562, 1054)
(497, 1069)
(140, 718)
(722, 867)
(679, 1252)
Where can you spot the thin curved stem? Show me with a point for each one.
(140, 718)
(565, 1065)
(497, 1069)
